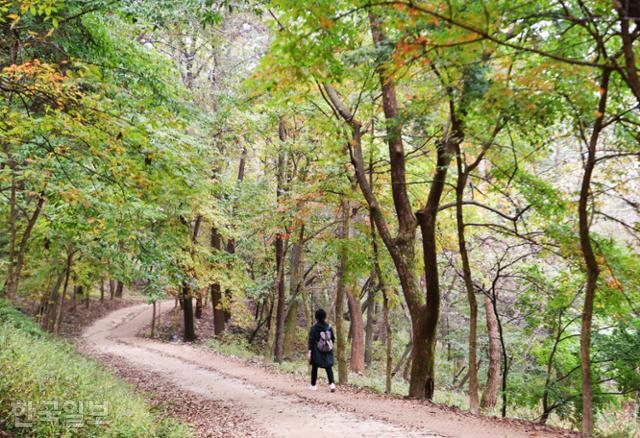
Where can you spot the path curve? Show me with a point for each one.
(281, 405)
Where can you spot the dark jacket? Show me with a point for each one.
(318, 358)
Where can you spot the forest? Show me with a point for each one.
(457, 183)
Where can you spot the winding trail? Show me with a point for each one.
(280, 404)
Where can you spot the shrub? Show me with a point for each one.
(46, 384)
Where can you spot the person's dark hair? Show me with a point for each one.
(321, 315)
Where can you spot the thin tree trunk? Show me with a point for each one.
(15, 269)
(368, 332)
(112, 288)
(505, 358)
(10, 286)
(216, 291)
(49, 320)
(492, 387)
(388, 341)
(546, 407)
(60, 305)
(468, 282)
(102, 290)
(198, 312)
(343, 373)
(280, 291)
(153, 320)
(271, 333)
(280, 251)
(357, 334)
(385, 293)
(591, 264)
(403, 358)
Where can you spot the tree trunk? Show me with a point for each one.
(280, 291)
(52, 298)
(198, 312)
(15, 268)
(216, 291)
(10, 287)
(503, 349)
(388, 341)
(112, 288)
(591, 264)
(271, 325)
(290, 328)
(153, 321)
(425, 325)
(187, 310)
(468, 282)
(357, 331)
(119, 289)
(424, 318)
(102, 290)
(280, 251)
(385, 293)
(60, 304)
(296, 293)
(343, 374)
(491, 389)
(187, 289)
(368, 332)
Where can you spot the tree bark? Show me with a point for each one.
(198, 312)
(368, 332)
(216, 291)
(628, 37)
(49, 312)
(402, 247)
(15, 267)
(187, 311)
(119, 289)
(153, 321)
(468, 282)
(591, 264)
(492, 387)
(280, 250)
(296, 291)
(426, 326)
(187, 290)
(356, 363)
(503, 349)
(343, 374)
(60, 304)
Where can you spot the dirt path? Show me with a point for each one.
(279, 405)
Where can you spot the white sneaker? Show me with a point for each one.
(333, 387)
(313, 387)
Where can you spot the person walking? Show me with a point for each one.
(320, 352)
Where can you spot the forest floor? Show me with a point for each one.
(222, 396)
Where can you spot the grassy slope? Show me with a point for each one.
(42, 370)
